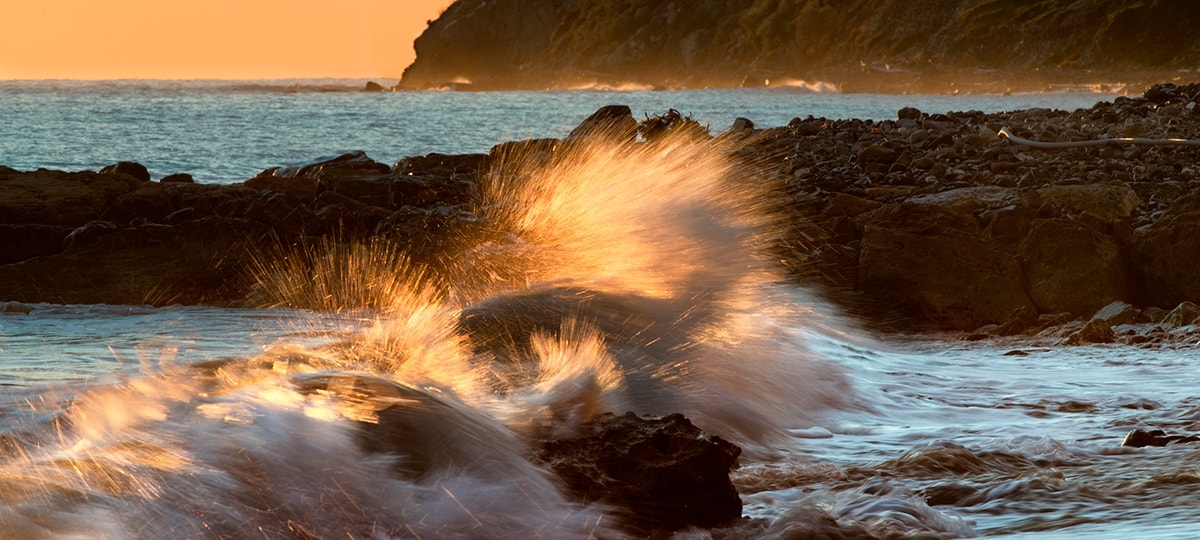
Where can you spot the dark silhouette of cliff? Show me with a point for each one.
(889, 45)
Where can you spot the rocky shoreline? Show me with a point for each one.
(928, 223)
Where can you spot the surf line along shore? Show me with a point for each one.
(930, 221)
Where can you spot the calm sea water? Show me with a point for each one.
(139, 422)
(223, 132)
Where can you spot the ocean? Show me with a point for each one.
(201, 422)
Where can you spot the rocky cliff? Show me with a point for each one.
(857, 45)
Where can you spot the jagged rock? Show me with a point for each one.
(659, 473)
(1184, 314)
(1094, 331)
(1021, 321)
(1118, 313)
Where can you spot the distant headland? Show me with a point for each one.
(892, 46)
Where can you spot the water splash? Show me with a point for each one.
(610, 277)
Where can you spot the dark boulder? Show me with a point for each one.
(612, 123)
(177, 178)
(1141, 438)
(659, 474)
(130, 168)
(435, 164)
(148, 203)
(354, 163)
(934, 262)
(1095, 331)
(1168, 252)
(1071, 268)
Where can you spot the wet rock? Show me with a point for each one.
(1184, 314)
(16, 307)
(613, 123)
(349, 164)
(373, 86)
(659, 473)
(1023, 320)
(129, 168)
(1141, 438)
(1095, 331)
(1118, 313)
(742, 124)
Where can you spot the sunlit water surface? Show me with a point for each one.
(132, 421)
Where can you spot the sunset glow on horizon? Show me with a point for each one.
(216, 39)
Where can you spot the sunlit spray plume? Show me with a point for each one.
(413, 333)
(661, 248)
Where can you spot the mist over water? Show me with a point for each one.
(619, 279)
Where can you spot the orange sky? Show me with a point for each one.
(210, 39)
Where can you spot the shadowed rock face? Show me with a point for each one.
(928, 45)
